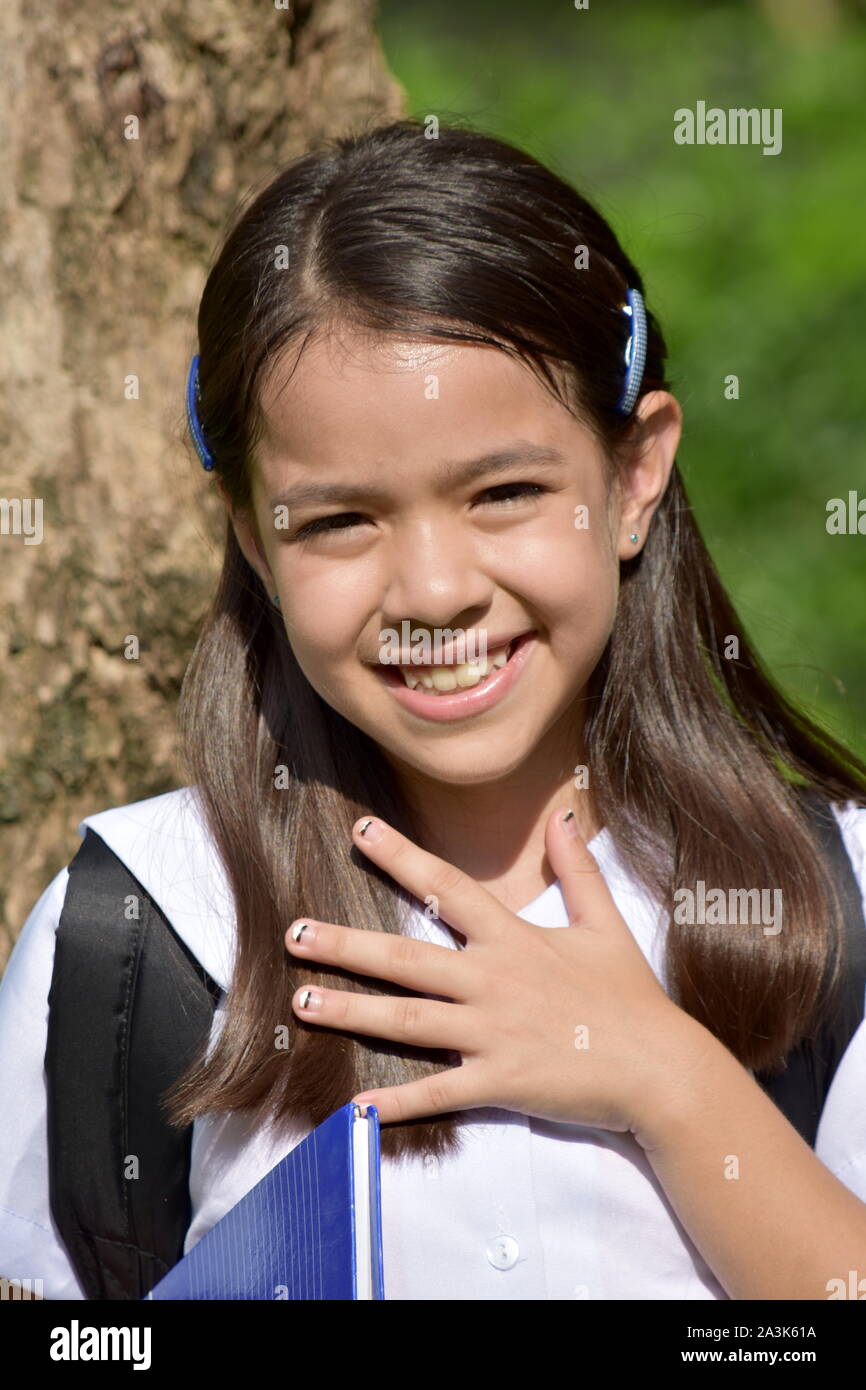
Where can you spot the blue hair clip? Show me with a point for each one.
(635, 352)
(195, 429)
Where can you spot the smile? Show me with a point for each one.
(442, 679)
(442, 693)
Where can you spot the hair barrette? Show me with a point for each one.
(193, 395)
(635, 352)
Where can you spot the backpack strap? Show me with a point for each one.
(801, 1089)
(129, 1006)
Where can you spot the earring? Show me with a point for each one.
(634, 538)
(276, 600)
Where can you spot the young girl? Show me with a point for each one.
(470, 675)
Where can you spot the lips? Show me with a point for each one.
(462, 701)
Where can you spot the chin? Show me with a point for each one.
(493, 760)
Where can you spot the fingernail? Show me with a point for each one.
(570, 823)
(372, 830)
(310, 999)
(299, 928)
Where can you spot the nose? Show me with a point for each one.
(436, 577)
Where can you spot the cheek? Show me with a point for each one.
(321, 629)
(324, 601)
(571, 583)
(581, 619)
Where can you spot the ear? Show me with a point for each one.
(645, 474)
(246, 531)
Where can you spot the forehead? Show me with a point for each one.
(355, 398)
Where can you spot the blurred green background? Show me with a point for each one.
(754, 264)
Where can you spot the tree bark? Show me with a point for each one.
(129, 135)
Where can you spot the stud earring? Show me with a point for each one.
(276, 600)
(634, 538)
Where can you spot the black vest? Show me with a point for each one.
(130, 1005)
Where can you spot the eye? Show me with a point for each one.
(522, 489)
(346, 521)
(341, 521)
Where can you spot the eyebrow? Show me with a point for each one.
(448, 474)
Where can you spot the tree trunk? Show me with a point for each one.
(129, 134)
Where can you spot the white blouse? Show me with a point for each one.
(528, 1209)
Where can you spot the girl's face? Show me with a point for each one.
(439, 484)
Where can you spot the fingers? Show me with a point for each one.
(418, 965)
(456, 1089)
(421, 1022)
(458, 899)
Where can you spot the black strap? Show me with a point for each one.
(129, 1006)
(801, 1089)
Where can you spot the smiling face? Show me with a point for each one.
(417, 522)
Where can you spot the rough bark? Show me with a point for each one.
(104, 247)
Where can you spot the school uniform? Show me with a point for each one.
(528, 1209)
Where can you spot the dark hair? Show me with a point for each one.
(694, 757)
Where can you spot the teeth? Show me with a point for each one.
(441, 679)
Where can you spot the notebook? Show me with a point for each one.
(311, 1229)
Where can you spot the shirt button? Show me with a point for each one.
(502, 1252)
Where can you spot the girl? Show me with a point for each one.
(436, 410)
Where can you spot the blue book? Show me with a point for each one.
(311, 1229)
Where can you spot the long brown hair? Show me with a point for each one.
(694, 756)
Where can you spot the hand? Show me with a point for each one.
(567, 1024)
